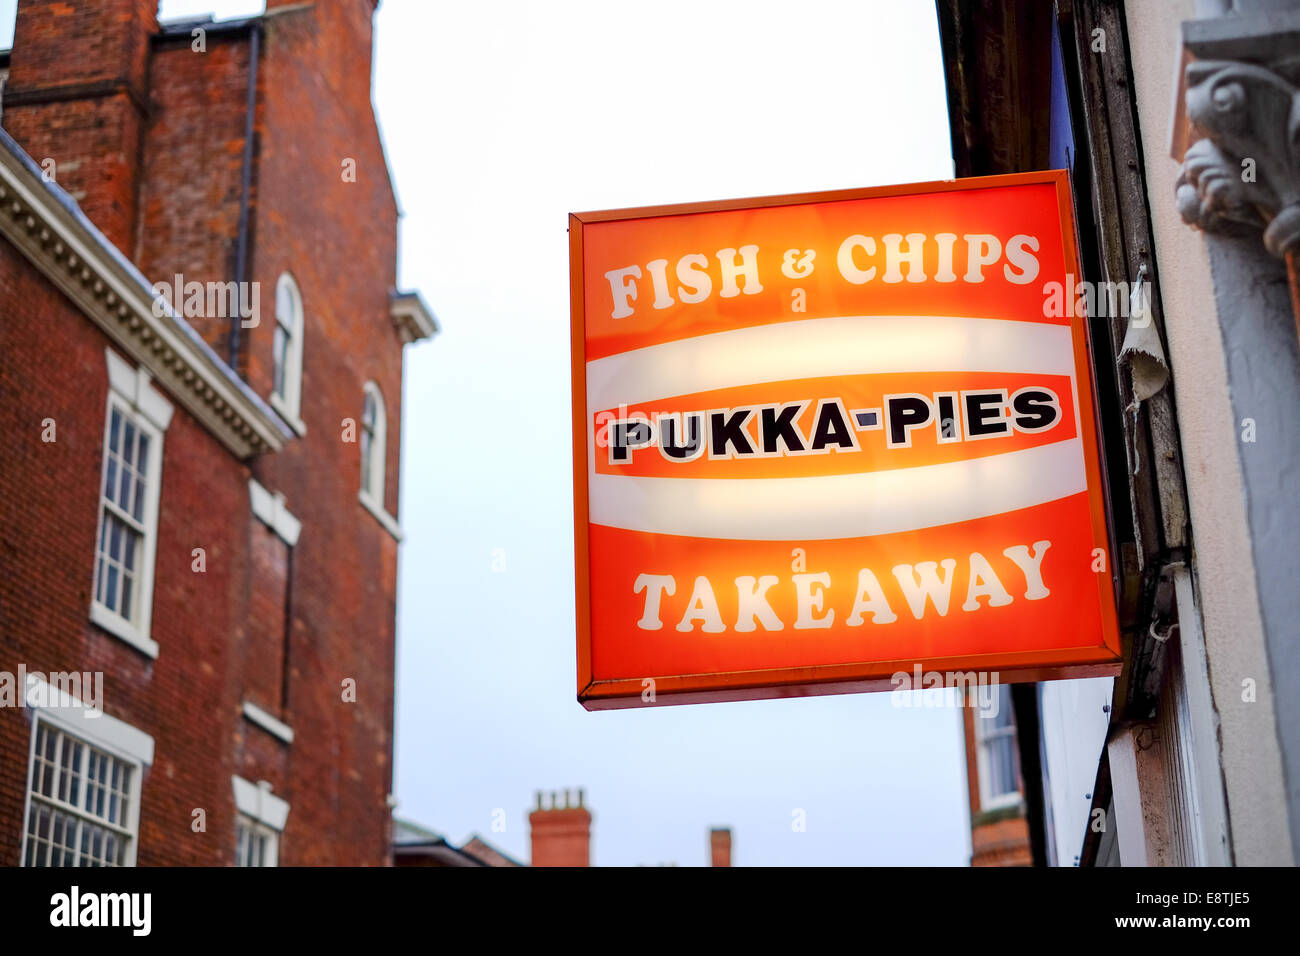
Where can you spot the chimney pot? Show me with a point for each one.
(720, 846)
(561, 833)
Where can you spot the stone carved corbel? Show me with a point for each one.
(1245, 171)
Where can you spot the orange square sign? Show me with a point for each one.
(823, 440)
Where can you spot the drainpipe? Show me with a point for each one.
(245, 187)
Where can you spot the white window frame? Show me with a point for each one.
(62, 712)
(288, 400)
(133, 396)
(270, 848)
(378, 454)
(984, 735)
(375, 453)
(262, 811)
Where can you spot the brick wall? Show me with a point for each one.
(262, 644)
(220, 633)
(339, 240)
(54, 366)
(77, 95)
(192, 168)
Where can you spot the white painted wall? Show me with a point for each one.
(1225, 572)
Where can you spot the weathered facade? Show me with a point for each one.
(1177, 123)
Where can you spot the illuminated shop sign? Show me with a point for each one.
(820, 440)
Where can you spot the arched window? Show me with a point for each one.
(374, 440)
(286, 389)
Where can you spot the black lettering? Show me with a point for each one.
(985, 414)
(628, 435)
(947, 418)
(778, 426)
(905, 412)
(832, 427)
(668, 438)
(729, 430)
(1035, 409)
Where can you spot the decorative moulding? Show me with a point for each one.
(412, 316)
(1237, 127)
(47, 227)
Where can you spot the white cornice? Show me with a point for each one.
(63, 244)
(412, 316)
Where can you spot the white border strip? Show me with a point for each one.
(812, 348)
(840, 506)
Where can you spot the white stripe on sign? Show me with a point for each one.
(811, 348)
(840, 506)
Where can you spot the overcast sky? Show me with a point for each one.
(501, 118)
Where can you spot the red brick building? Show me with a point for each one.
(994, 785)
(200, 485)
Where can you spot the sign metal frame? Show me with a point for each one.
(1103, 660)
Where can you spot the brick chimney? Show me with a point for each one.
(720, 846)
(561, 833)
(78, 96)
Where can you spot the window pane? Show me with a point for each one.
(64, 837)
(286, 305)
(95, 791)
(137, 505)
(1003, 771)
(128, 444)
(365, 461)
(123, 798)
(278, 355)
(128, 552)
(1005, 716)
(70, 772)
(128, 586)
(142, 460)
(34, 844)
(123, 497)
(46, 748)
(116, 578)
(110, 476)
(111, 596)
(254, 844)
